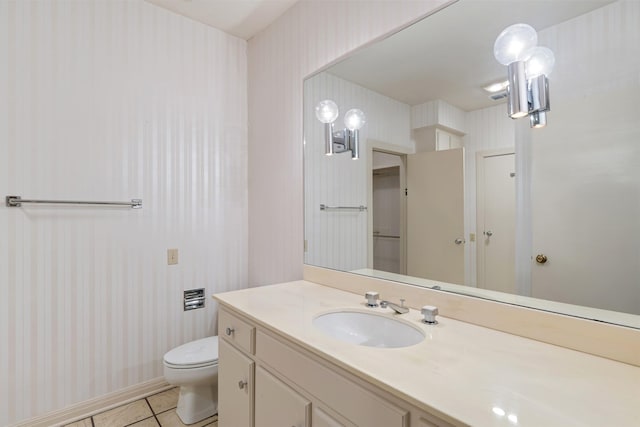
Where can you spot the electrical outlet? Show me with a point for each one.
(172, 256)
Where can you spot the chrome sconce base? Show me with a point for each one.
(341, 141)
(347, 140)
(527, 97)
(538, 119)
(528, 66)
(517, 93)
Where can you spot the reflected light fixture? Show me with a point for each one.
(528, 66)
(342, 140)
(496, 87)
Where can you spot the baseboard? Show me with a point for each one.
(90, 407)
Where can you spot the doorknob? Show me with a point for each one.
(488, 233)
(459, 241)
(541, 258)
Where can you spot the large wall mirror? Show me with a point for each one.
(450, 193)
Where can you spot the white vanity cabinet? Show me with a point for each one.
(235, 387)
(293, 387)
(237, 378)
(277, 404)
(321, 418)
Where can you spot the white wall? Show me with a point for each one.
(588, 226)
(338, 239)
(307, 37)
(111, 100)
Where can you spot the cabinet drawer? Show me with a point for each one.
(236, 331)
(350, 400)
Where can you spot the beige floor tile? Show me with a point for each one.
(164, 401)
(123, 415)
(171, 419)
(82, 423)
(149, 422)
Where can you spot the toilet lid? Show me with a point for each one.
(200, 352)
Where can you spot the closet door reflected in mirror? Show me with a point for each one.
(435, 220)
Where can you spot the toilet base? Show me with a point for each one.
(196, 403)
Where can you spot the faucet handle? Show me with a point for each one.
(372, 297)
(429, 312)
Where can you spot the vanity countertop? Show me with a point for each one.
(466, 372)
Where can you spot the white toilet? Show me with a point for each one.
(194, 367)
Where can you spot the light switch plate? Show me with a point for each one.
(172, 256)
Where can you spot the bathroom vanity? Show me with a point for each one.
(278, 369)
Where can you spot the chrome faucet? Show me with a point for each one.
(400, 309)
(372, 298)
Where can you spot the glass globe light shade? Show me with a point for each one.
(354, 119)
(541, 61)
(514, 42)
(327, 111)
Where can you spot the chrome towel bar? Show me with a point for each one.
(17, 201)
(360, 208)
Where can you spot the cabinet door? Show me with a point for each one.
(355, 404)
(443, 140)
(235, 387)
(447, 141)
(279, 405)
(422, 419)
(321, 418)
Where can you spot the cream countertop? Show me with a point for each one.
(460, 370)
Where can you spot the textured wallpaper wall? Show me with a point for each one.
(338, 239)
(306, 38)
(113, 100)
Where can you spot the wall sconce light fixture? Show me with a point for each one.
(342, 140)
(528, 66)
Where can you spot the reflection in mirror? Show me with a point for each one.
(457, 194)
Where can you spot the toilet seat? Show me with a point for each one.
(194, 354)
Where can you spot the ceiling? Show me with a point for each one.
(431, 59)
(241, 18)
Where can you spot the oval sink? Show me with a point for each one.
(369, 329)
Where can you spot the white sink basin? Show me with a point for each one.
(369, 329)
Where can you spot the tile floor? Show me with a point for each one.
(158, 410)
